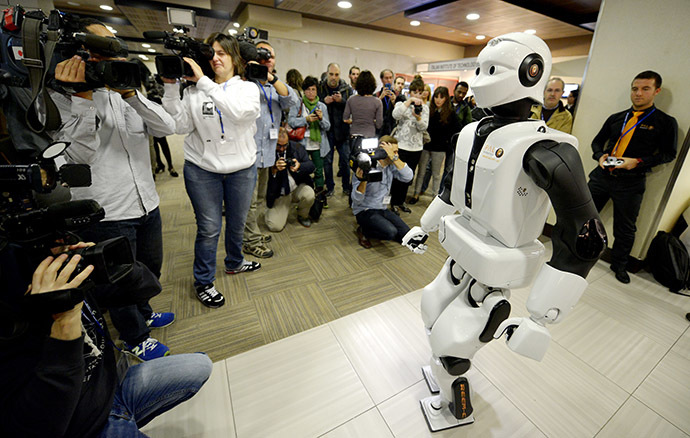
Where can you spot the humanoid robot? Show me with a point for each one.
(507, 168)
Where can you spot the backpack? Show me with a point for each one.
(669, 262)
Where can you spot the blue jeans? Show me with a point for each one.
(382, 224)
(344, 164)
(154, 387)
(146, 239)
(207, 191)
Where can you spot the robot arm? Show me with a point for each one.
(578, 240)
(440, 206)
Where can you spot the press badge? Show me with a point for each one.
(386, 199)
(273, 133)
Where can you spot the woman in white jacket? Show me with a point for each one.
(219, 117)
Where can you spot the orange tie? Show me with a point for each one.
(626, 135)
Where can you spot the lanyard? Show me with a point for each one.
(269, 103)
(631, 128)
(92, 318)
(222, 130)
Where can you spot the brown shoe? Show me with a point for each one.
(363, 241)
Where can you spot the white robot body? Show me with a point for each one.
(505, 202)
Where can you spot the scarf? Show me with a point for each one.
(314, 128)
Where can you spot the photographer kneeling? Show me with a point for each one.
(369, 199)
(58, 371)
(288, 182)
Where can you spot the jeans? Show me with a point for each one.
(430, 164)
(207, 191)
(152, 388)
(382, 224)
(626, 192)
(146, 239)
(344, 164)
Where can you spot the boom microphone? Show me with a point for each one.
(155, 35)
(248, 51)
(99, 44)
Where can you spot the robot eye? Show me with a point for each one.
(477, 72)
(492, 70)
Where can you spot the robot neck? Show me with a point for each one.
(514, 111)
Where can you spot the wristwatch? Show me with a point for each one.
(275, 79)
(395, 157)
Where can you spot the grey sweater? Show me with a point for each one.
(366, 113)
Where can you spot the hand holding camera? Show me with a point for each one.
(319, 114)
(197, 72)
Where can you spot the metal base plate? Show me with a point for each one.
(440, 419)
(430, 381)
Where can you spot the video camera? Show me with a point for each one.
(28, 232)
(365, 155)
(249, 52)
(173, 66)
(61, 31)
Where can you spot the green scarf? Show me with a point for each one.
(314, 128)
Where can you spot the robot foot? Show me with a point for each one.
(438, 415)
(430, 381)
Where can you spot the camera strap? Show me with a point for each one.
(37, 68)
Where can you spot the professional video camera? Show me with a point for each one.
(68, 40)
(249, 52)
(365, 155)
(173, 66)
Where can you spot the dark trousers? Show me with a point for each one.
(328, 163)
(626, 192)
(146, 239)
(161, 143)
(399, 188)
(382, 224)
(344, 164)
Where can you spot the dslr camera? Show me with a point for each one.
(365, 155)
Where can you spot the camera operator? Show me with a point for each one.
(109, 130)
(289, 182)
(59, 376)
(219, 117)
(369, 199)
(276, 97)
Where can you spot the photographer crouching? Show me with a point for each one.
(109, 130)
(288, 182)
(57, 367)
(369, 199)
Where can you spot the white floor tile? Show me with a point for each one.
(561, 395)
(495, 415)
(667, 390)
(682, 347)
(368, 425)
(301, 386)
(623, 355)
(635, 420)
(387, 346)
(206, 415)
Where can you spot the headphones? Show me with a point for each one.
(531, 70)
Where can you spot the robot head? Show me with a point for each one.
(512, 67)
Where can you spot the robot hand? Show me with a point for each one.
(414, 239)
(525, 337)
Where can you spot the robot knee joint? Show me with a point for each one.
(455, 366)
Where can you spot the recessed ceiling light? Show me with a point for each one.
(232, 31)
(472, 16)
(144, 57)
(356, 48)
(451, 31)
(480, 37)
(305, 41)
(106, 8)
(74, 4)
(152, 50)
(466, 34)
(531, 31)
(344, 5)
(236, 24)
(415, 23)
(146, 46)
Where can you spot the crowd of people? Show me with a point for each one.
(251, 145)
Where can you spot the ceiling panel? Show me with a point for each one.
(362, 11)
(398, 23)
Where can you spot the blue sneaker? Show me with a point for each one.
(160, 320)
(149, 349)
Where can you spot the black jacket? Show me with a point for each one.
(340, 131)
(280, 179)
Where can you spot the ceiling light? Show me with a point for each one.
(152, 50)
(146, 46)
(233, 31)
(344, 5)
(531, 31)
(144, 57)
(451, 31)
(305, 41)
(415, 23)
(74, 4)
(106, 8)
(236, 24)
(356, 48)
(472, 16)
(480, 37)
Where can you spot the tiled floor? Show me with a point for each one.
(619, 366)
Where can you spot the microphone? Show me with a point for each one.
(155, 35)
(73, 215)
(248, 51)
(103, 45)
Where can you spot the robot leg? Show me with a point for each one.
(465, 326)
